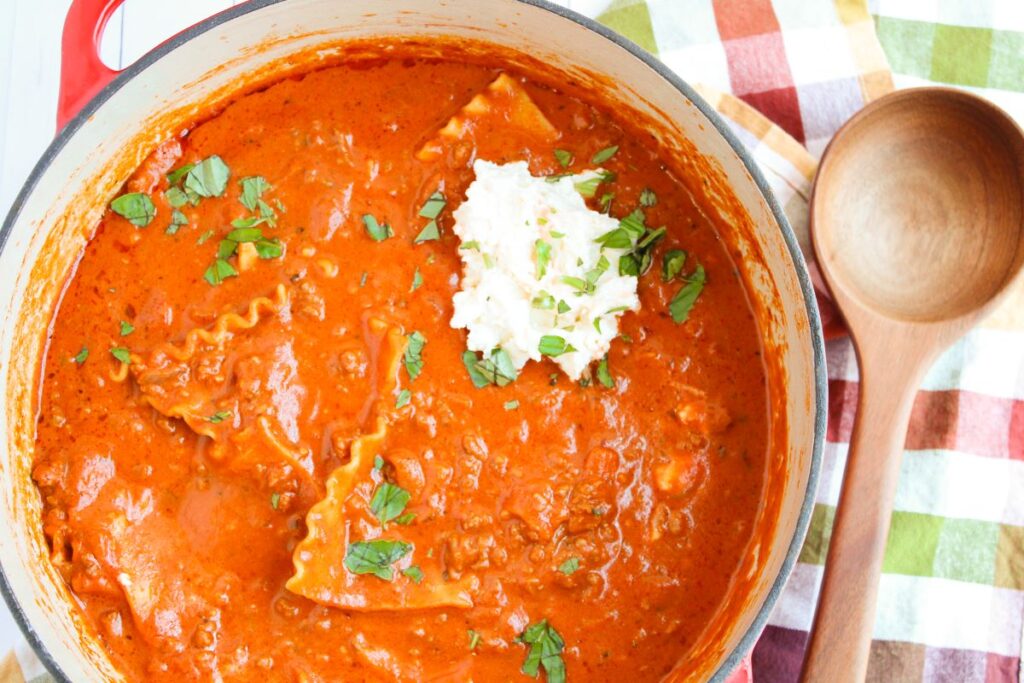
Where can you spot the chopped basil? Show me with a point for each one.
(588, 188)
(208, 178)
(219, 271)
(606, 201)
(275, 500)
(470, 245)
(511, 405)
(414, 573)
(543, 301)
(553, 346)
(376, 557)
(388, 502)
(546, 647)
(177, 174)
(413, 356)
(597, 325)
(563, 307)
(616, 309)
(376, 231)
(542, 254)
(616, 238)
(429, 232)
(268, 249)
(648, 198)
(226, 249)
(248, 221)
(553, 379)
(253, 188)
(404, 396)
(433, 206)
(498, 369)
(205, 236)
(638, 261)
(176, 197)
(579, 284)
(604, 154)
(595, 273)
(564, 157)
(634, 223)
(672, 264)
(569, 566)
(219, 416)
(405, 519)
(417, 281)
(474, 639)
(488, 261)
(126, 328)
(604, 375)
(122, 354)
(378, 463)
(136, 207)
(686, 297)
(178, 219)
(80, 357)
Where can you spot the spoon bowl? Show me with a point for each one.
(917, 219)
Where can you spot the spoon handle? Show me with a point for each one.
(840, 638)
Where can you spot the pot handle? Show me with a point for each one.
(82, 73)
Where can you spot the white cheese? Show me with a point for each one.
(509, 298)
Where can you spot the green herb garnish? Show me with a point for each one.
(177, 174)
(275, 500)
(80, 357)
(219, 271)
(542, 254)
(569, 566)
(126, 328)
(604, 154)
(543, 301)
(219, 416)
(417, 281)
(376, 231)
(648, 198)
(604, 375)
(375, 557)
(474, 639)
(413, 356)
(429, 232)
(388, 502)
(588, 187)
(564, 157)
(269, 249)
(253, 188)
(672, 264)
(546, 647)
(136, 207)
(498, 369)
(554, 346)
(122, 354)
(208, 178)
(511, 405)
(686, 297)
(433, 206)
(563, 307)
(414, 573)
(404, 397)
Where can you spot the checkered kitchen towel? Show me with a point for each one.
(786, 74)
(952, 592)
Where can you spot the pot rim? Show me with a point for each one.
(753, 632)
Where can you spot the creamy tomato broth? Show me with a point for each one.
(265, 453)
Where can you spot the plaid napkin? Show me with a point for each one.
(787, 74)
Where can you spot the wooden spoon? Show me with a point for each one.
(917, 217)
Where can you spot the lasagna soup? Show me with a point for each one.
(421, 365)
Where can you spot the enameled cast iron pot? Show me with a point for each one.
(125, 117)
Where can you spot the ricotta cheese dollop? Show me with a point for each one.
(537, 279)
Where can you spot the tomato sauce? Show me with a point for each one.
(179, 457)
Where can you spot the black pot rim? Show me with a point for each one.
(807, 289)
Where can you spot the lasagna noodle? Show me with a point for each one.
(320, 574)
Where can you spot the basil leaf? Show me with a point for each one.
(474, 638)
(417, 281)
(413, 356)
(554, 346)
(136, 207)
(176, 197)
(205, 236)
(588, 187)
(378, 463)
(226, 249)
(275, 500)
(634, 223)
(178, 219)
(220, 416)
(511, 405)
(429, 233)
(498, 369)
(177, 174)
(405, 519)
(470, 360)
(617, 238)
(648, 198)
(404, 397)
(606, 201)
(433, 206)
(126, 328)
(245, 235)
(414, 573)
(604, 154)
(564, 157)
(542, 254)
(388, 502)
(253, 188)
(208, 178)
(219, 271)
(672, 264)
(268, 249)
(248, 221)
(375, 557)
(686, 297)
(122, 354)
(80, 357)
(569, 566)
(546, 647)
(579, 284)
(376, 231)
(604, 375)
(563, 307)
